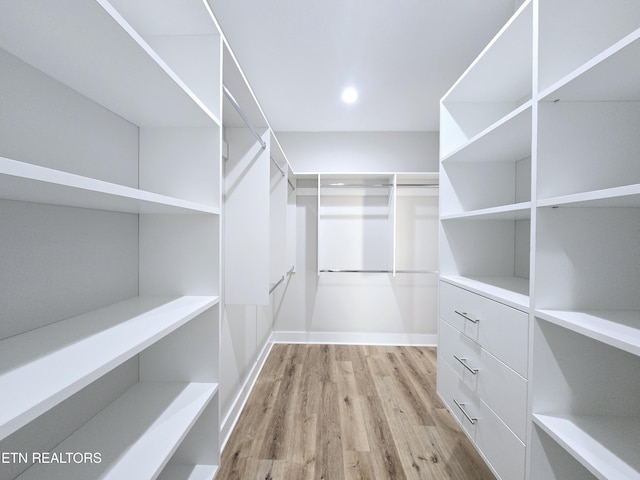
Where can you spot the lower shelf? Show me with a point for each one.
(135, 436)
(606, 446)
(188, 472)
(513, 291)
(81, 349)
(618, 328)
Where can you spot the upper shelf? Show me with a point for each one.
(625, 196)
(112, 65)
(571, 32)
(610, 76)
(509, 139)
(80, 349)
(503, 71)
(32, 183)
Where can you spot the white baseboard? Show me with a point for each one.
(231, 418)
(354, 338)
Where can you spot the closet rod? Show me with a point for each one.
(282, 171)
(275, 285)
(291, 271)
(377, 185)
(426, 185)
(433, 272)
(236, 105)
(277, 165)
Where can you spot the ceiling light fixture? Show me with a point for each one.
(349, 95)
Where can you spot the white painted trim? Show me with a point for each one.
(232, 416)
(355, 338)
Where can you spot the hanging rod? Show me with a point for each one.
(236, 105)
(377, 185)
(424, 185)
(277, 165)
(356, 185)
(432, 272)
(282, 171)
(275, 285)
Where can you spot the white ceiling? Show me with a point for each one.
(401, 55)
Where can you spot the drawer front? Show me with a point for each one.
(504, 390)
(501, 330)
(503, 450)
(452, 389)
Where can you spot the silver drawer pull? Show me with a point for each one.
(461, 407)
(466, 316)
(464, 363)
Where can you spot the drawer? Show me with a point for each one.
(502, 449)
(452, 389)
(504, 390)
(501, 330)
(496, 442)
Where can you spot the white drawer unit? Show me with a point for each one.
(501, 330)
(504, 451)
(500, 447)
(504, 390)
(482, 375)
(462, 402)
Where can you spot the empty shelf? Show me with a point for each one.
(135, 436)
(42, 367)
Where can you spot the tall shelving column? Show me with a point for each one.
(586, 356)
(485, 244)
(110, 183)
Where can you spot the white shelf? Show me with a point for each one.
(136, 435)
(503, 71)
(32, 183)
(513, 291)
(81, 349)
(606, 446)
(517, 211)
(609, 76)
(188, 472)
(625, 196)
(509, 139)
(618, 328)
(68, 40)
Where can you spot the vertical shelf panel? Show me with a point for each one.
(246, 214)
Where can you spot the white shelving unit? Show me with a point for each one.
(540, 212)
(110, 191)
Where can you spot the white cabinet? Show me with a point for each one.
(482, 349)
(540, 211)
(110, 200)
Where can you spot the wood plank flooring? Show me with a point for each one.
(341, 412)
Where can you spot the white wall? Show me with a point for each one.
(353, 307)
(361, 151)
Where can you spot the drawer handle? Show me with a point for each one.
(464, 363)
(461, 407)
(466, 316)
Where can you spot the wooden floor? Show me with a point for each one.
(337, 412)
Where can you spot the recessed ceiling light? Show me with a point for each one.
(349, 95)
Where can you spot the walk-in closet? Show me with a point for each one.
(330, 240)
